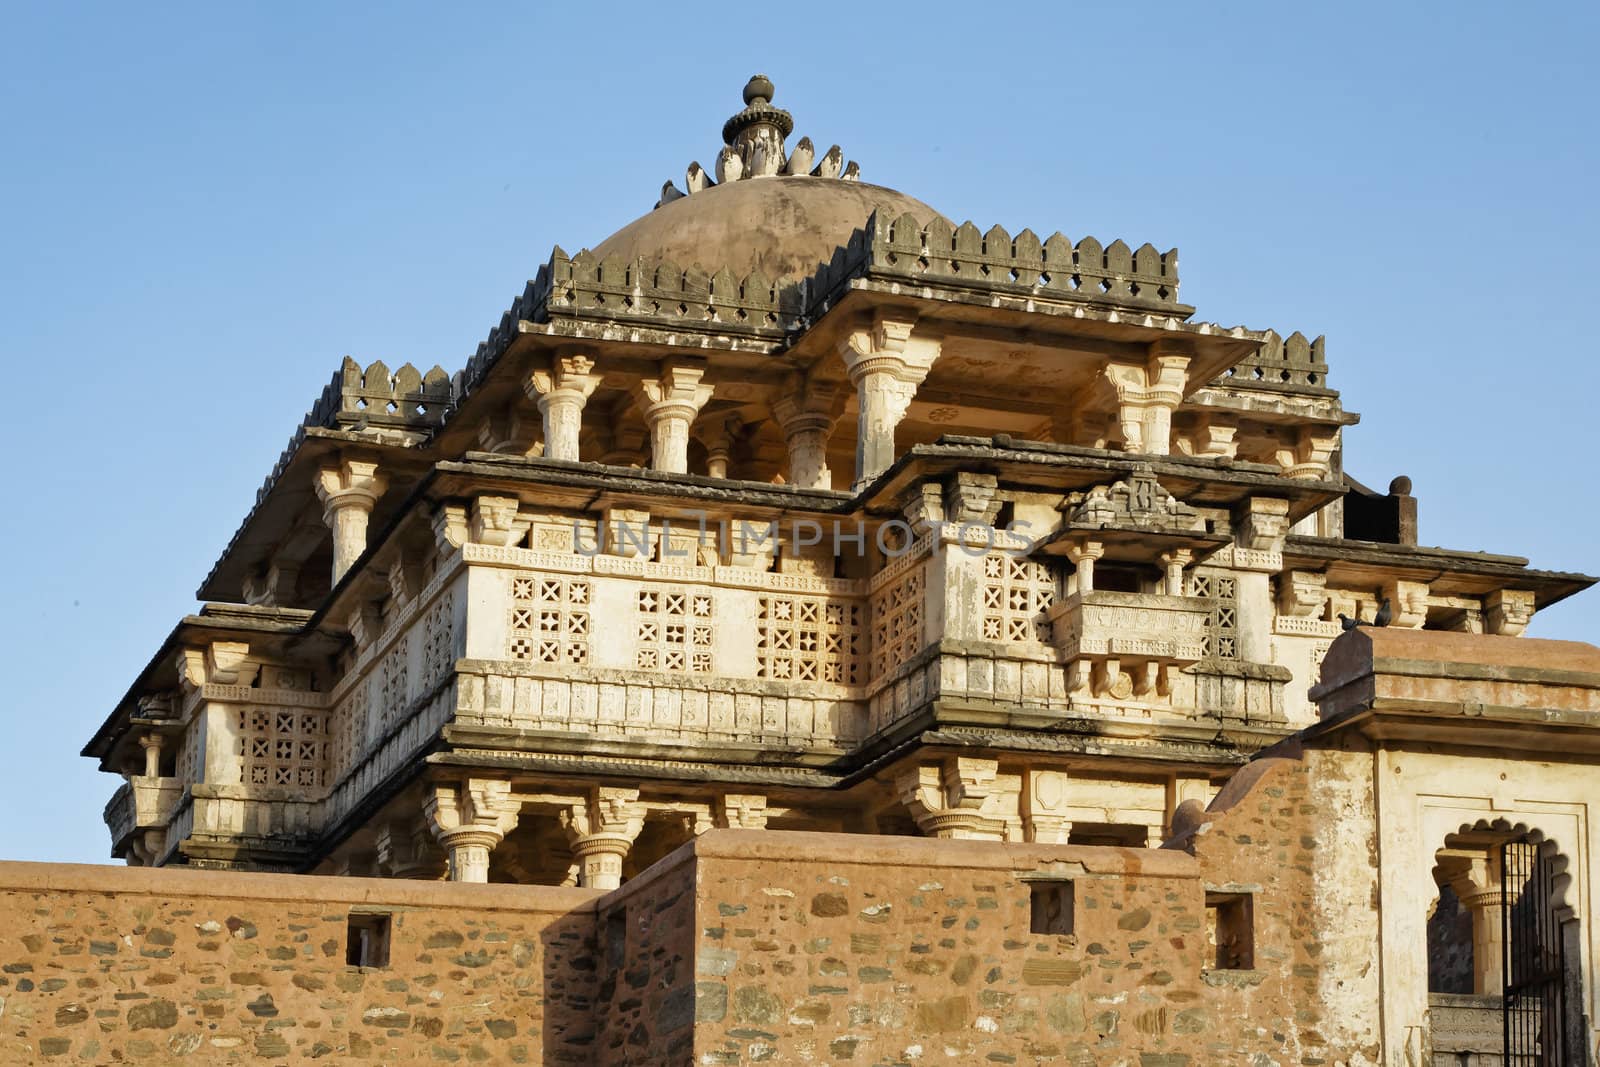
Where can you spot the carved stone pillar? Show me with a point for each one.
(669, 404)
(1477, 886)
(949, 800)
(561, 393)
(602, 829)
(469, 820)
(1083, 554)
(1174, 562)
(1147, 394)
(720, 442)
(886, 364)
(805, 411)
(151, 743)
(348, 490)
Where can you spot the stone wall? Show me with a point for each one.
(101, 964)
(830, 948)
(742, 946)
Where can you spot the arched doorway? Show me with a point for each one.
(1504, 977)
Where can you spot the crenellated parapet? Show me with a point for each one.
(1284, 364)
(378, 399)
(1056, 268)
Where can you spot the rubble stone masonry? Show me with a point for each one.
(742, 947)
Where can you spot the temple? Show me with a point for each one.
(799, 527)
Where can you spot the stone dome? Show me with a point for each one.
(786, 226)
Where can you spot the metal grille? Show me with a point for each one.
(1534, 972)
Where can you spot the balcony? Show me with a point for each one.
(1127, 644)
(141, 804)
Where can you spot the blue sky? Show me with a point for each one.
(204, 207)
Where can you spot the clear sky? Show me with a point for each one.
(203, 207)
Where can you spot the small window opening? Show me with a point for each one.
(617, 938)
(367, 941)
(1119, 578)
(1119, 835)
(1052, 908)
(1230, 931)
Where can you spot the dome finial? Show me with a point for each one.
(757, 132)
(758, 90)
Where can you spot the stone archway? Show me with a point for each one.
(1512, 993)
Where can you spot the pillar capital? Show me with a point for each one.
(1508, 611)
(404, 850)
(669, 403)
(742, 811)
(561, 390)
(1147, 394)
(1408, 601)
(495, 520)
(349, 489)
(601, 829)
(219, 663)
(469, 819)
(948, 800)
(1309, 454)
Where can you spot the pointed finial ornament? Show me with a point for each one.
(757, 133)
(754, 140)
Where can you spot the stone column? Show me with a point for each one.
(1174, 562)
(805, 411)
(719, 445)
(602, 828)
(151, 743)
(742, 811)
(1478, 889)
(885, 364)
(669, 404)
(1147, 394)
(1083, 554)
(469, 820)
(348, 490)
(561, 393)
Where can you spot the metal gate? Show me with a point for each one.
(1534, 972)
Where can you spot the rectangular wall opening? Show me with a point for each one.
(1119, 835)
(1230, 931)
(1052, 907)
(367, 940)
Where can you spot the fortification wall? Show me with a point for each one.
(741, 947)
(832, 948)
(107, 964)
